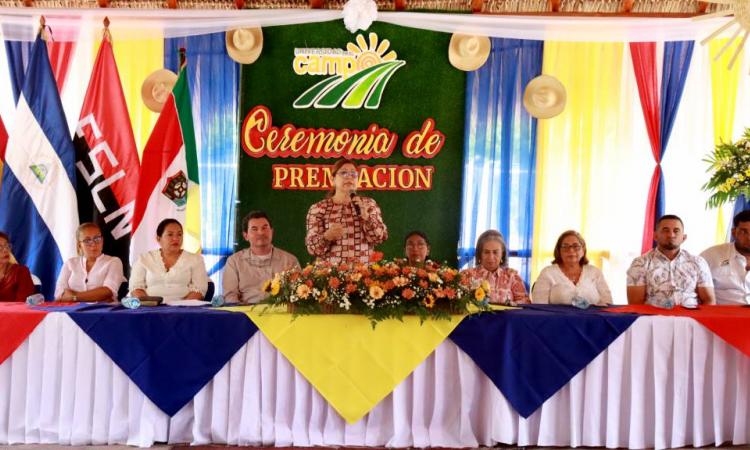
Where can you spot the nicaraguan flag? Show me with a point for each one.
(39, 208)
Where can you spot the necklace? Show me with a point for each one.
(573, 275)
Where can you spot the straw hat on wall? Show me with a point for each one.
(467, 52)
(244, 44)
(156, 89)
(544, 97)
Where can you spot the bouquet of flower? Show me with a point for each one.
(730, 164)
(382, 290)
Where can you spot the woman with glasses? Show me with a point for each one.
(344, 227)
(570, 275)
(15, 279)
(491, 258)
(170, 272)
(417, 248)
(91, 276)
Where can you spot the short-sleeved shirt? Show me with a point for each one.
(667, 279)
(731, 279)
(505, 284)
(106, 272)
(187, 275)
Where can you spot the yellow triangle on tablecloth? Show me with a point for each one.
(352, 365)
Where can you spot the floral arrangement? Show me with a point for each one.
(730, 164)
(381, 290)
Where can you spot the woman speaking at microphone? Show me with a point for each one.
(344, 227)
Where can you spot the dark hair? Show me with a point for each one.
(164, 223)
(558, 254)
(419, 233)
(742, 216)
(5, 236)
(334, 170)
(667, 217)
(258, 214)
(490, 235)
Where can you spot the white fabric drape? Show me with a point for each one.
(179, 23)
(666, 382)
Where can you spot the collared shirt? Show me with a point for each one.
(731, 279)
(106, 272)
(667, 279)
(360, 236)
(245, 273)
(505, 284)
(554, 287)
(187, 275)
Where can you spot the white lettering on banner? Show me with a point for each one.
(124, 226)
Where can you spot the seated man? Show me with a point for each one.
(730, 264)
(667, 274)
(248, 269)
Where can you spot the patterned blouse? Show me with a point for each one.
(360, 236)
(505, 284)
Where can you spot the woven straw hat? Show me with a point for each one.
(467, 52)
(244, 44)
(156, 89)
(544, 97)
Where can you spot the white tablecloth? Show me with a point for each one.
(666, 382)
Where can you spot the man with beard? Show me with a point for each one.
(730, 264)
(668, 275)
(247, 270)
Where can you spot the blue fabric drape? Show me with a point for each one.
(214, 82)
(17, 53)
(676, 64)
(500, 151)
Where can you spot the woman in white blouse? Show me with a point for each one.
(169, 272)
(92, 276)
(570, 275)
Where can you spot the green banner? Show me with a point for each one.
(388, 97)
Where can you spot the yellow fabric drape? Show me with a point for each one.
(136, 58)
(350, 364)
(575, 148)
(723, 98)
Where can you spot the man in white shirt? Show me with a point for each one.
(667, 275)
(730, 264)
(247, 270)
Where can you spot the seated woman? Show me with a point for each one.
(170, 272)
(15, 279)
(570, 275)
(92, 276)
(506, 286)
(416, 248)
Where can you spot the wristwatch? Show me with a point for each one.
(75, 298)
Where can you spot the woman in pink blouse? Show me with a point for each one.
(344, 227)
(506, 286)
(92, 276)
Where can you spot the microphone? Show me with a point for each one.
(355, 204)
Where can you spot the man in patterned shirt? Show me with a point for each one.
(668, 275)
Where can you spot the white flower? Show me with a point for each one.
(359, 14)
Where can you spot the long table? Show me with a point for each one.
(665, 382)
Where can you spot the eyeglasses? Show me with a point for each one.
(348, 173)
(574, 247)
(5, 247)
(92, 241)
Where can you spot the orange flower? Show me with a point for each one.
(351, 287)
(424, 284)
(303, 291)
(439, 293)
(448, 275)
(376, 292)
(334, 282)
(408, 294)
(450, 293)
(429, 301)
(421, 273)
(388, 285)
(309, 283)
(294, 276)
(479, 294)
(376, 256)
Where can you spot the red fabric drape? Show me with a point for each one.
(60, 54)
(644, 66)
(3, 139)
